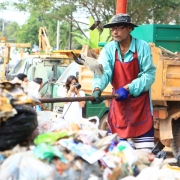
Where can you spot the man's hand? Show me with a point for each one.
(98, 97)
(122, 94)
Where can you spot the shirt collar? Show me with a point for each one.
(132, 45)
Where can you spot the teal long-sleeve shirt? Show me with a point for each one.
(146, 75)
(147, 72)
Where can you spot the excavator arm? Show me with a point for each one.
(44, 44)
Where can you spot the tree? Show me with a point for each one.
(10, 31)
(154, 11)
(28, 33)
(75, 12)
(146, 11)
(63, 9)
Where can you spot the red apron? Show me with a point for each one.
(132, 117)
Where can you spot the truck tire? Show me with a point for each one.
(175, 143)
(103, 123)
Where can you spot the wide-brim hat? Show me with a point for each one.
(120, 19)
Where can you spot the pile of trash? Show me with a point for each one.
(17, 117)
(54, 148)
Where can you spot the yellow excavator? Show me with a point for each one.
(46, 49)
(6, 57)
(44, 44)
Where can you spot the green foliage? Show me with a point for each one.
(28, 33)
(69, 11)
(94, 36)
(3, 5)
(10, 31)
(82, 41)
(105, 35)
(154, 11)
(64, 35)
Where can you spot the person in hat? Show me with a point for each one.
(128, 66)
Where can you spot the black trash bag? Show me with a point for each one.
(17, 129)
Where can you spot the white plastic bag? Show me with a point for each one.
(46, 121)
(24, 166)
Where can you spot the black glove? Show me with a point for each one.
(98, 97)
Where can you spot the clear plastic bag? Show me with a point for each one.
(24, 166)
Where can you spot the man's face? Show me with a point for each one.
(25, 81)
(120, 33)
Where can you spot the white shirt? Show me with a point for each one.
(73, 111)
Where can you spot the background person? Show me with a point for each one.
(39, 81)
(128, 66)
(73, 110)
(23, 78)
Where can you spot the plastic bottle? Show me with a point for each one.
(38, 108)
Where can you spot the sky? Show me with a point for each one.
(13, 15)
(21, 17)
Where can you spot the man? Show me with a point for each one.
(128, 66)
(23, 78)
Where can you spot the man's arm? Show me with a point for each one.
(147, 75)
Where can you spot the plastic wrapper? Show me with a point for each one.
(50, 137)
(105, 142)
(18, 128)
(87, 152)
(125, 152)
(121, 159)
(46, 151)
